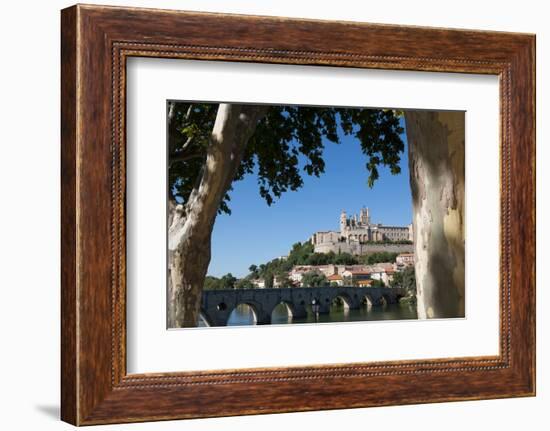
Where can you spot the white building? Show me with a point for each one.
(405, 259)
(298, 271)
(259, 283)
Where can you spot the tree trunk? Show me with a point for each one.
(190, 225)
(436, 163)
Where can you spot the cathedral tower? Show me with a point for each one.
(343, 221)
(364, 217)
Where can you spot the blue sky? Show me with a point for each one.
(255, 233)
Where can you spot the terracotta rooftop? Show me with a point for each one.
(357, 272)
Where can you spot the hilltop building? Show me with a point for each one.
(358, 235)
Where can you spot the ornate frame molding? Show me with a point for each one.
(96, 41)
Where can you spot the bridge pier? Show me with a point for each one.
(262, 318)
(324, 306)
(216, 318)
(354, 304)
(383, 299)
(299, 312)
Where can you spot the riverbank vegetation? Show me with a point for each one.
(406, 279)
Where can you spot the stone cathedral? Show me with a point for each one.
(358, 235)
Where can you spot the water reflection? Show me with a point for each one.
(281, 314)
(242, 314)
(339, 312)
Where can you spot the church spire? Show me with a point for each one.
(343, 221)
(364, 216)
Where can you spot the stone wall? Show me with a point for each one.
(362, 249)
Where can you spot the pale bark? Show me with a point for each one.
(436, 163)
(190, 225)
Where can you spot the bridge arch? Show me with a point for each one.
(385, 299)
(204, 319)
(367, 300)
(242, 312)
(282, 307)
(346, 299)
(398, 296)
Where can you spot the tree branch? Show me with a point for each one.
(186, 144)
(179, 157)
(188, 113)
(171, 111)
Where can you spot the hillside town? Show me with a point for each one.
(359, 275)
(360, 254)
(389, 247)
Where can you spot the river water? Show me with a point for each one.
(244, 315)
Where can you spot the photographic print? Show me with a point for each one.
(313, 214)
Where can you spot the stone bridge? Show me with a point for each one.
(217, 305)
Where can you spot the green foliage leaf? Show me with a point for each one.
(289, 142)
(405, 279)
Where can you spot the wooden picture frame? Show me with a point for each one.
(95, 43)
